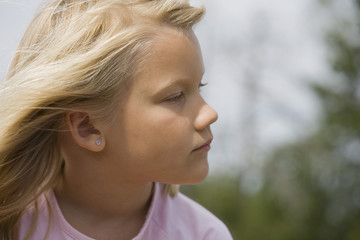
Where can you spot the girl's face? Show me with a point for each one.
(162, 129)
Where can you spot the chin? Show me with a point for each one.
(196, 176)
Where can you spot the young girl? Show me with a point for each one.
(100, 116)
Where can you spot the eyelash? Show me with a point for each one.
(181, 95)
(176, 98)
(201, 85)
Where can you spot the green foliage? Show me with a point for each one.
(258, 216)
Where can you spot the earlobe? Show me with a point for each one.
(84, 132)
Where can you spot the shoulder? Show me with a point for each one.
(37, 213)
(182, 218)
(200, 218)
(44, 220)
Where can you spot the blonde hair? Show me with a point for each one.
(75, 54)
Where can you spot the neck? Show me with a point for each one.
(100, 208)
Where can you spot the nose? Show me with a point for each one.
(207, 115)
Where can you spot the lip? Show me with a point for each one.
(205, 147)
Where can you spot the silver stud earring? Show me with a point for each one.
(98, 142)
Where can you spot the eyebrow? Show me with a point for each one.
(169, 84)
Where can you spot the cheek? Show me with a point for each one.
(160, 135)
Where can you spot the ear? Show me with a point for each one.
(84, 132)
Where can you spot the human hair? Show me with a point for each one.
(75, 55)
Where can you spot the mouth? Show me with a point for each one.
(205, 147)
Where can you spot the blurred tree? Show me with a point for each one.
(317, 180)
(311, 187)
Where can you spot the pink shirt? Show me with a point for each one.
(178, 218)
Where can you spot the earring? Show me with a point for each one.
(98, 142)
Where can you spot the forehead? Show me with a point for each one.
(172, 55)
(172, 40)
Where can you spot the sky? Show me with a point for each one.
(259, 57)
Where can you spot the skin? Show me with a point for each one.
(157, 136)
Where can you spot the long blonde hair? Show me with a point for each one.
(75, 54)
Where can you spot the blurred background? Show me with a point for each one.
(284, 77)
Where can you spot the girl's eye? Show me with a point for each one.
(201, 85)
(176, 98)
